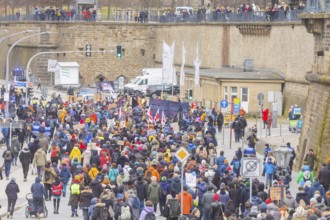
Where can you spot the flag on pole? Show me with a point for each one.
(168, 59)
(157, 117)
(120, 114)
(182, 65)
(163, 121)
(149, 116)
(197, 64)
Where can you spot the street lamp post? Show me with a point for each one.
(54, 52)
(14, 34)
(7, 59)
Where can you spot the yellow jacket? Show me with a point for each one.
(75, 152)
(93, 173)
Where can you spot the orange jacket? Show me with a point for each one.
(93, 118)
(187, 202)
(154, 172)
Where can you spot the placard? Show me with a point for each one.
(191, 179)
(275, 193)
(78, 126)
(97, 97)
(121, 143)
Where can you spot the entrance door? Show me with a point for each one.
(245, 99)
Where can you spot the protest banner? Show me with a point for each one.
(170, 108)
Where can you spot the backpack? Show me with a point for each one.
(136, 203)
(236, 165)
(8, 155)
(174, 208)
(47, 175)
(104, 213)
(125, 213)
(150, 216)
(53, 153)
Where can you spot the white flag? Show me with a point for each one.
(182, 65)
(197, 64)
(168, 59)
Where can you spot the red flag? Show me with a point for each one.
(163, 118)
(149, 116)
(157, 116)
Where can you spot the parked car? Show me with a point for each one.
(155, 90)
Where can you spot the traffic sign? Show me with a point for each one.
(250, 167)
(182, 154)
(260, 96)
(224, 103)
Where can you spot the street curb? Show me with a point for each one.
(4, 214)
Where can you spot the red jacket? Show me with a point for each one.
(57, 189)
(265, 114)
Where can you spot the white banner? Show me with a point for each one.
(168, 58)
(191, 180)
(182, 65)
(197, 64)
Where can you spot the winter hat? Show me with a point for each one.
(312, 217)
(216, 197)
(13, 179)
(164, 178)
(263, 207)
(222, 185)
(328, 160)
(268, 201)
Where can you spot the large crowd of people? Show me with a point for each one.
(116, 160)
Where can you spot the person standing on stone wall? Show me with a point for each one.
(310, 158)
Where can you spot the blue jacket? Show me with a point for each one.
(269, 168)
(37, 188)
(220, 160)
(316, 186)
(65, 174)
(249, 150)
(201, 189)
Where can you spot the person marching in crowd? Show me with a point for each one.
(117, 161)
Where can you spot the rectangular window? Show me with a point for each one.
(225, 93)
(233, 92)
(244, 94)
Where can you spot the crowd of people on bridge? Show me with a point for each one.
(114, 159)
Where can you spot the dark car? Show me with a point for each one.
(155, 90)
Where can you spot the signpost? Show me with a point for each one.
(224, 105)
(182, 154)
(261, 102)
(250, 169)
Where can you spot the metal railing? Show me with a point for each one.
(260, 16)
(318, 6)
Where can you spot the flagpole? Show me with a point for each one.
(162, 72)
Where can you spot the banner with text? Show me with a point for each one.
(170, 108)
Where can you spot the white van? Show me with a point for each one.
(152, 71)
(129, 85)
(142, 85)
